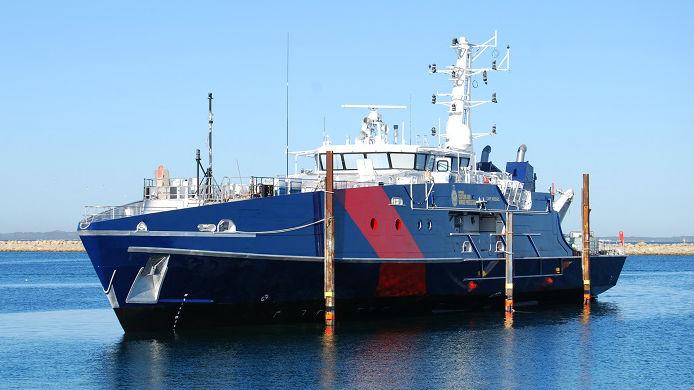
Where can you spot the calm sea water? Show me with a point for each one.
(57, 331)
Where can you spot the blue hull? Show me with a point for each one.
(208, 292)
(394, 259)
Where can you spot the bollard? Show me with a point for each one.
(585, 255)
(508, 303)
(329, 245)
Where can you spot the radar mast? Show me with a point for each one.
(458, 126)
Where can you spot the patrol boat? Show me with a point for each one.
(417, 228)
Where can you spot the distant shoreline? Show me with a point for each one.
(644, 249)
(76, 246)
(41, 246)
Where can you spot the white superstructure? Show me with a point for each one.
(377, 156)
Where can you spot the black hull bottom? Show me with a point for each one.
(196, 316)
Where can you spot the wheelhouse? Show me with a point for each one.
(348, 161)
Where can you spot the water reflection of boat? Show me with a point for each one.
(440, 351)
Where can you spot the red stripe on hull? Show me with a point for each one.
(377, 220)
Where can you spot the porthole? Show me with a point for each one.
(373, 224)
(429, 225)
(398, 224)
(419, 225)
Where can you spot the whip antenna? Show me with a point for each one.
(210, 120)
(286, 148)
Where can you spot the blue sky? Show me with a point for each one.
(93, 96)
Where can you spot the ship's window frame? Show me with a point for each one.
(420, 161)
(338, 163)
(430, 162)
(439, 166)
(380, 160)
(409, 164)
(345, 159)
(464, 164)
(454, 163)
(321, 161)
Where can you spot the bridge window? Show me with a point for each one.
(464, 161)
(430, 163)
(379, 160)
(402, 160)
(337, 162)
(351, 160)
(442, 165)
(395, 160)
(420, 162)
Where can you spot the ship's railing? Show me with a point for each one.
(274, 186)
(482, 177)
(243, 187)
(175, 188)
(106, 213)
(575, 240)
(103, 213)
(514, 192)
(171, 193)
(208, 191)
(262, 186)
(607, 247)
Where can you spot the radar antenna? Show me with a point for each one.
(373, 129)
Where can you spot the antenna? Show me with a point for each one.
(286, 149)
(210, 120)
(238, 169)
(197, 172)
